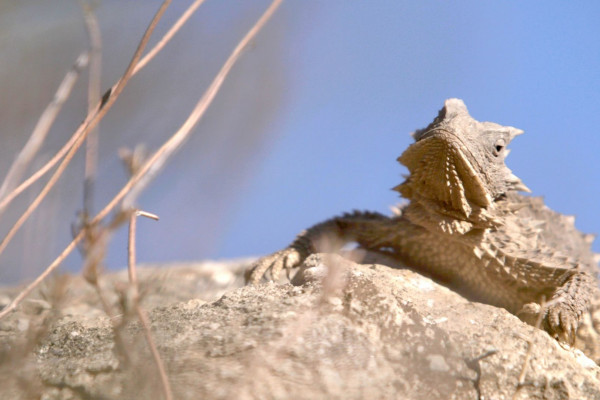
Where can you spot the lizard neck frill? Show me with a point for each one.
(444, 188)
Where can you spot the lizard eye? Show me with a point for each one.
(498, 147)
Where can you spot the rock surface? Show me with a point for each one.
(349, 331)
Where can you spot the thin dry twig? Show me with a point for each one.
(85, 127)
(161, 368)
(538, 323)
(42, 127)
(25, 292)
(141, 313)
(109, 99)
(45, 168)
(169, 35)
(131, 243)
(131, 253)
(148, 171)
(96, 238)
(120, 343)
(146, 214)
(94, 84)
(75, 137)
(175, 139)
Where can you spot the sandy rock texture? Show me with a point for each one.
(348, 331)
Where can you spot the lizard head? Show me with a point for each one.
(457, 164)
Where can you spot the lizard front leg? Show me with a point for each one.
(362, 227)
(588, 334)
(563, 312)
(567, 306)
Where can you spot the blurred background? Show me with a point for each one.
(310, 121)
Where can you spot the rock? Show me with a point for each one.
(377, 332)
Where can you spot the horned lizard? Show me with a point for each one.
(467, 225)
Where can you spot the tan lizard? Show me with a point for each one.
(467, 225)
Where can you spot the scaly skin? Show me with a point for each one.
(467, 226)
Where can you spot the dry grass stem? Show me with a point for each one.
(148, 171)
(131, 252)
(96, 248)
(141, 313)
(45, 168)
(131, 261)
(147, 215)
(35, 141)
(538, 323)
(94, 84)
(29, 288)
(116, 324)
(162, 154)
(88, 124)
(61, 153)
(85, 128)
(161, 368)
(169, 35)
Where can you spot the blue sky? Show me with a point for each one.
(311, 120)
(362, 75)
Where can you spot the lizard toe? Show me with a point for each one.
(276, 262)
(288, 259)
(255, 273)
(562, 323)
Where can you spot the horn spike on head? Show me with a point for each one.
(514, 132)
(455, 106)
(517, 184)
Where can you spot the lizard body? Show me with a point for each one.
(467, 225)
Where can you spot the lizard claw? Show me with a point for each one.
(562, 322)
(286, 258)
(559, 320)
